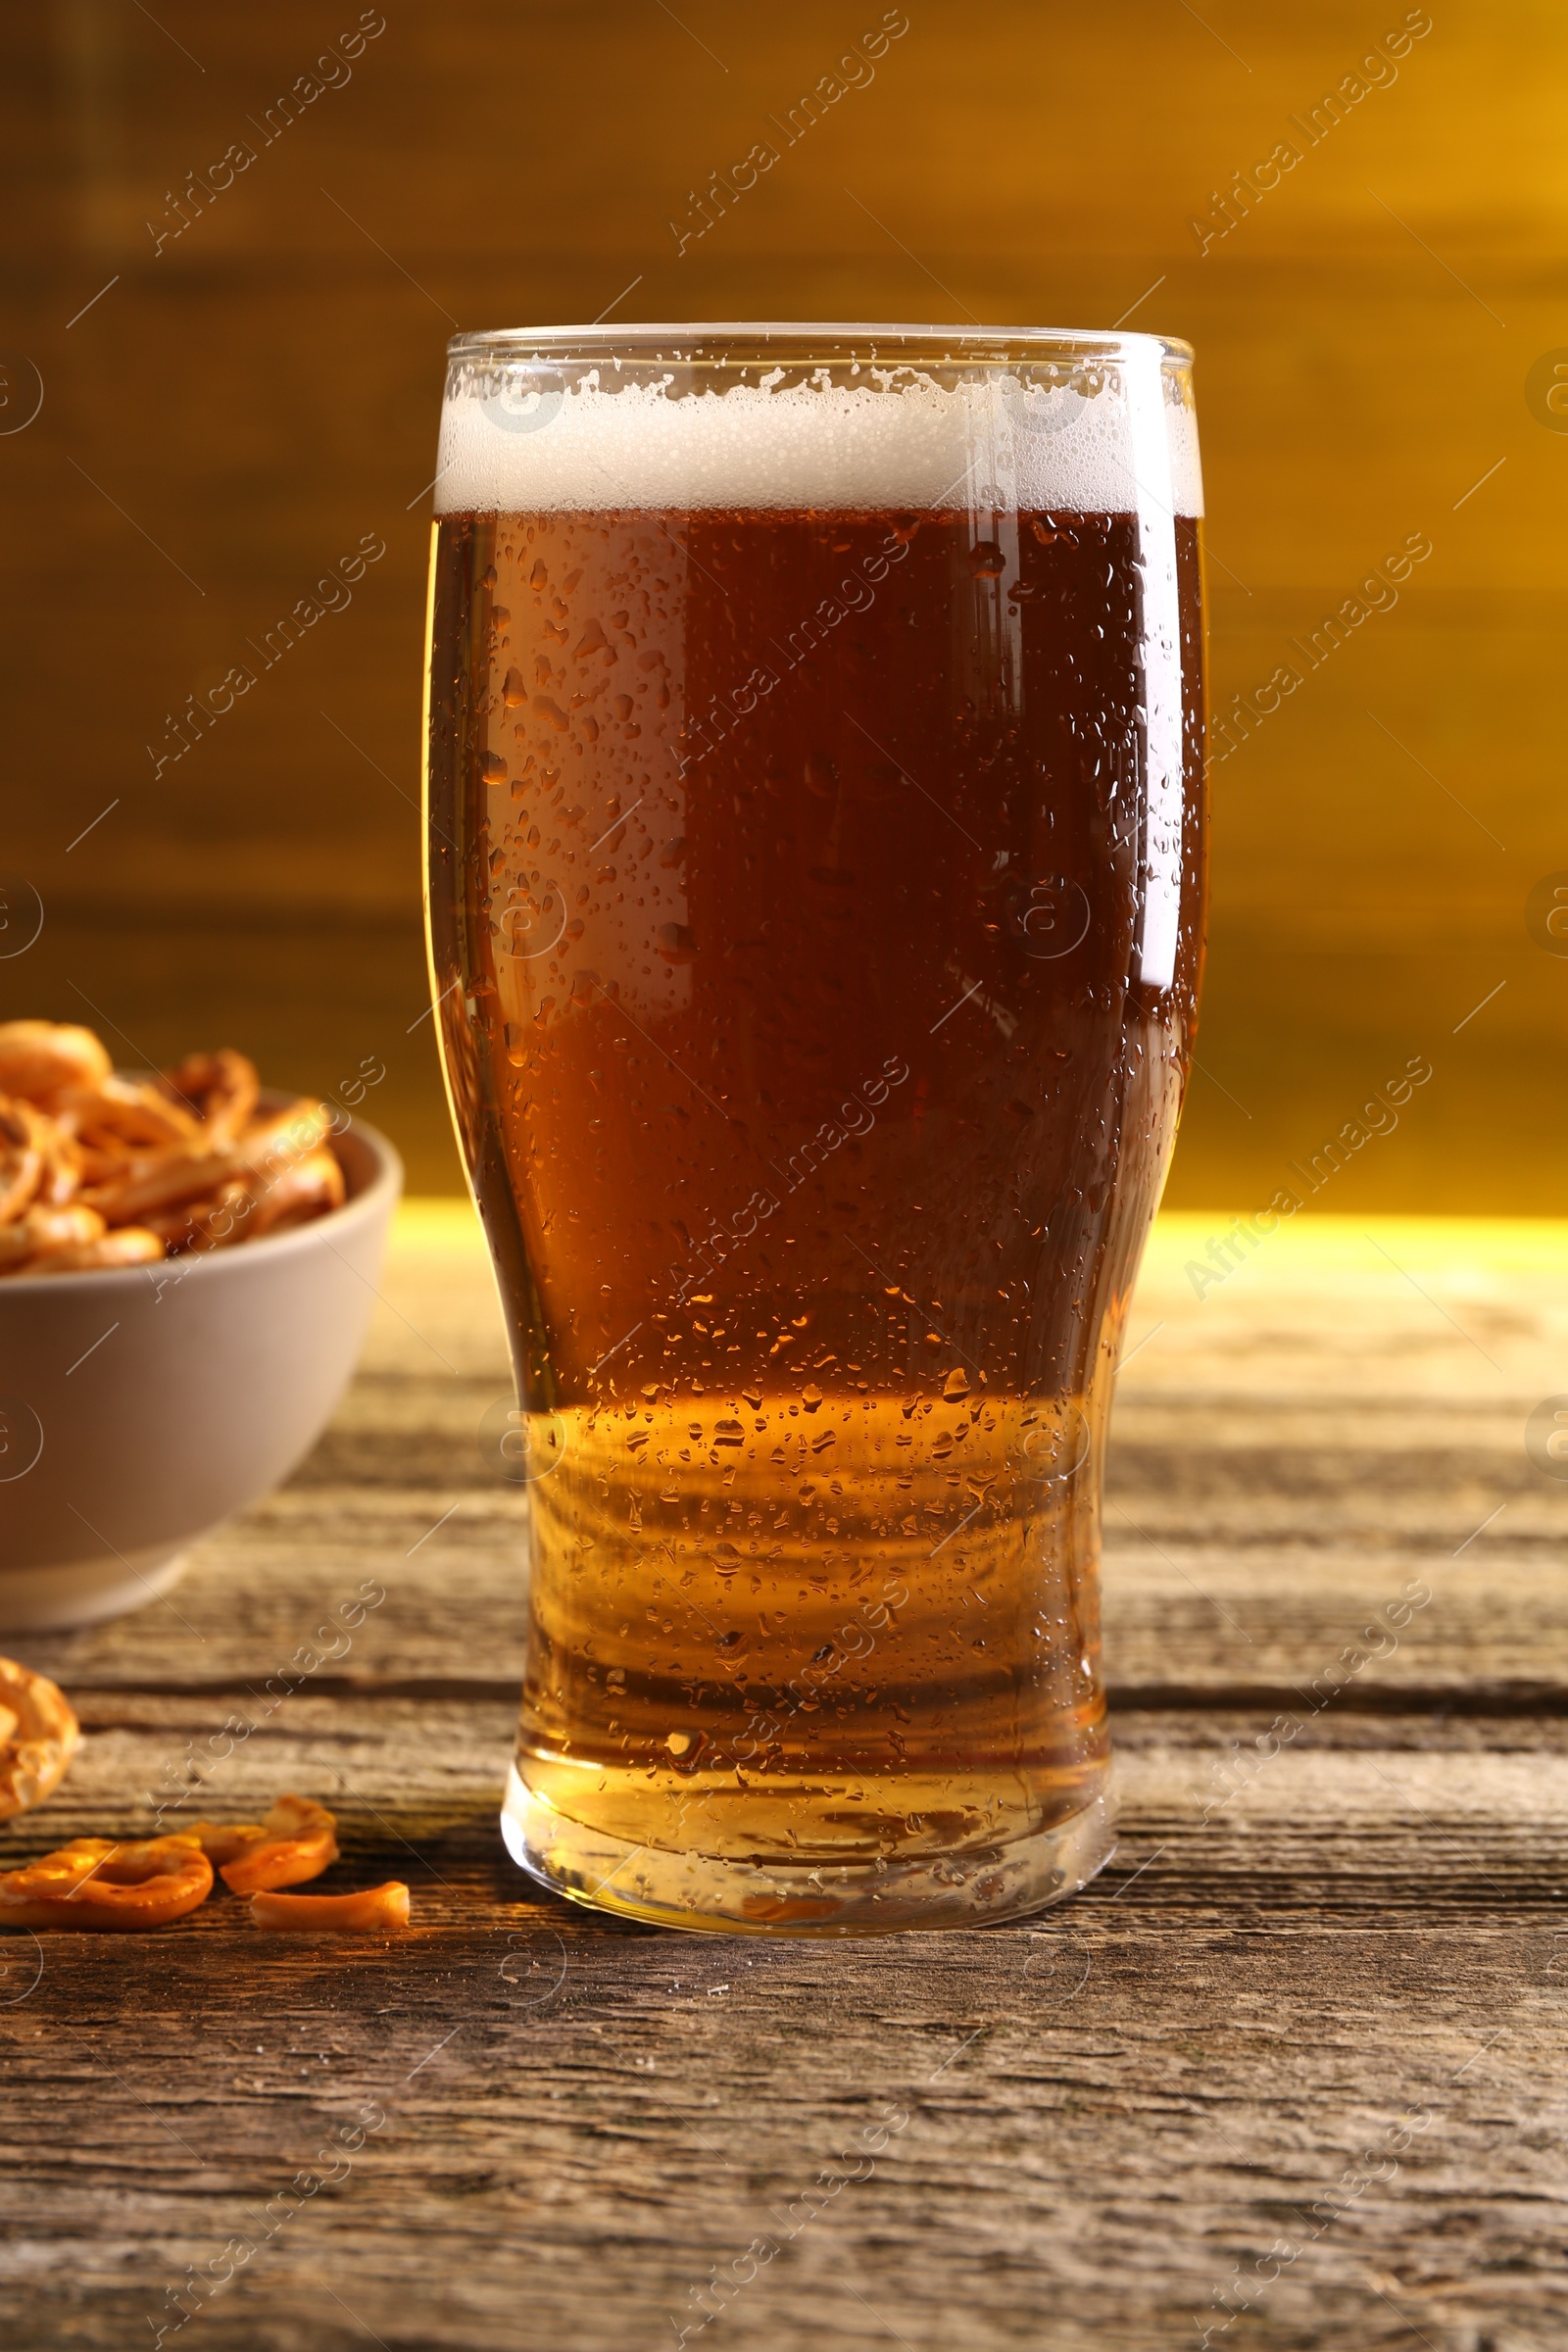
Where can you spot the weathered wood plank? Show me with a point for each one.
(1091, 2120)
(1346, 1810)
(1288, 1455)
(1314, 2005)
(1259, 1625)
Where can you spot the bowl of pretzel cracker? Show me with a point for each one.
(187, 1265)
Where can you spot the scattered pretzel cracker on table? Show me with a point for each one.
(107, 1884)
(99, 1170)
(296, 1841)
(113, 1886)
(361, 1913)
(38, 1737)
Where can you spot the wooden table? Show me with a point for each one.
(1291, 2070)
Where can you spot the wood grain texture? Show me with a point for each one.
(1291, 2071)
(1107, 2109)
(1289, 1452)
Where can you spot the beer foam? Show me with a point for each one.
(526, 440)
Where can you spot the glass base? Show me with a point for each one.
(970, 1887)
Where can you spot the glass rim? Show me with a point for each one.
(695, 340)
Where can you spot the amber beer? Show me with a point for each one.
(816, 872)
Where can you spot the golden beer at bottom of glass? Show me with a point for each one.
(817, 854)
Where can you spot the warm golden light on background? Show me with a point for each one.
(238, 246)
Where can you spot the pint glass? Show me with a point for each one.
(815, 841)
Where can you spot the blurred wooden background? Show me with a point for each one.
(227, 414)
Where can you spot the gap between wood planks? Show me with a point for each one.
(1472, 1698)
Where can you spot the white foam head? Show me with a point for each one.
(524, 438)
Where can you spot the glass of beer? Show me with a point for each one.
(817, 868)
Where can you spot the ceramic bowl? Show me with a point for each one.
(141, 1406)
